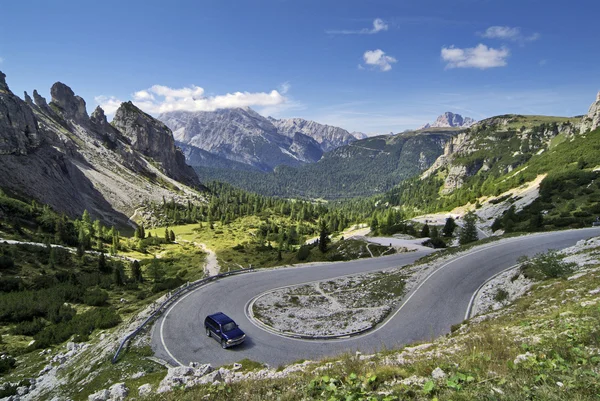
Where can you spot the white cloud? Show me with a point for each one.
(162, 99)
(509, 33)
(379, 25)
(378, 59)
(481, 57)
(284, 87)
(109, 104)
(143, 95)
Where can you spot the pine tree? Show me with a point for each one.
(468, 232)
(323, 236)
(172, 236)
(156, 270)
(103, 267)
(118, 276)
(167, 235)
(425, 231)
(136, 272)
(449, 227)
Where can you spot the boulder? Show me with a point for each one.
(118, 392)
(144, 390)
(102, 395)
(438, 374)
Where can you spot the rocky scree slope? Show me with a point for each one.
(244, 136)
(58, 155)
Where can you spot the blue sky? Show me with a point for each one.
(370, 66)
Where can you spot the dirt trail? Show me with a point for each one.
(212, 267)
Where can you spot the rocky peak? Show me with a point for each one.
(154, 139)
(18, 125)
(98, 116)
(591, 121)
(40, 101)
(73, 107)
(448, 120)
(28, 99)
(3, 85)
(100, 123)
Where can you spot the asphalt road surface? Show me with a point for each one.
(440, 301)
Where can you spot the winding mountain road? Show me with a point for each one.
(440, 301)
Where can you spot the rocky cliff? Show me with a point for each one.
(153, 139)
(58, 155)
(591, 121)
(244, 136)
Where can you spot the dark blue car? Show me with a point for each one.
(223, 329)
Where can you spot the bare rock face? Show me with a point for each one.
(71, 106)
(591, 121)
(154, 139)
(18, 126)
(327, 136)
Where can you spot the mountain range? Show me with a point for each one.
(56, 154)
(241, 135)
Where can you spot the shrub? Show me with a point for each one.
(29, 328)
(435, 243)
(303, 253)
(7, 362)
(545, 266)
(6, 262)
(95, 297)
(501, 295)
(167, 284)
(81, 325)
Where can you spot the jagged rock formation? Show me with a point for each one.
(448, 120)
(591, 121)
(153, 139)
(244, 136)
(57, 155)
(18, 127)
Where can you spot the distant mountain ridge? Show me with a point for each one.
(449, 120)
(361, 168)
(244, 136)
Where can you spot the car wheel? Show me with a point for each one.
(223, 344)
(207, 332)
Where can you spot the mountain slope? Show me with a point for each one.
(362, 168)
(58, 155)
(244, 136)
(487, 167)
